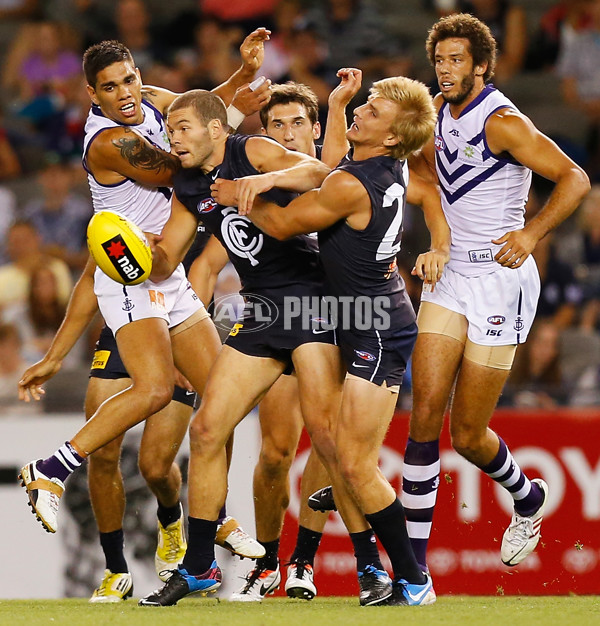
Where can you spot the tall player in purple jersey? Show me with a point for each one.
(358, 212)
(483, 152)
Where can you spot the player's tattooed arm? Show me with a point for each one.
(142, 155)
(119, 153)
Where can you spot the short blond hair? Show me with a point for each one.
(415, 121)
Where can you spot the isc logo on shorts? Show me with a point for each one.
(100, 359)
(235, 330)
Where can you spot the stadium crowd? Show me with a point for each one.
(547, 65)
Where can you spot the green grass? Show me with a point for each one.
(449, 611)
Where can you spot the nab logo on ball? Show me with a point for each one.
(119, 248)
(122, 259)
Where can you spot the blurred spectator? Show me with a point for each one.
(23, 245)
(356, 36)
(132, 23)
(580, 357)
(18, 9)
(39, 317)
(214, 56)
(508, 24)
(8, 205)
(10, 167)
(247, 14)
(60, 215)
(557, 24)
(561, 294)
(579, 70)
(584, 246)
(12, 366)
(536, 379)
(39, 72)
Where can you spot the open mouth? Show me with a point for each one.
(128, 109)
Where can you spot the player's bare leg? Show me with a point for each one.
(366, 413)
(280, 425)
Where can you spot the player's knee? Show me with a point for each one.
(206, 438)
(275, 461)
(466, 442)
(155, 471)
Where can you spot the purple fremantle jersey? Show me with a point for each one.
(483, 195)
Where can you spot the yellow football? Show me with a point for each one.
(119, 248)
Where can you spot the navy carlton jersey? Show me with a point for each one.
(361, 264)
(262, 262)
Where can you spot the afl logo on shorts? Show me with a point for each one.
(365, 356)
(206, 205)
(439, 143)
(496, 320)
(238, 237)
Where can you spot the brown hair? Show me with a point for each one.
(292, 92)
(482, 45)
(416, 117)
(207, 105)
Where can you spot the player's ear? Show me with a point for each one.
(215, 128)
(481, 69)
(392, 140)
(316, 130)
(92, 94)
(263, 130)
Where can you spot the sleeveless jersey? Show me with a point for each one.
(483, 195)
(262, 262)
(362, 263)
(147, 207)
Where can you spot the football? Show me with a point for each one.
(119, 248)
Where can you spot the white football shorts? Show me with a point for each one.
(172, 299)
(499, 307)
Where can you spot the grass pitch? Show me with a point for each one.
(448, 611)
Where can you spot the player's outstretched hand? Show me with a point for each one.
(429, 266)
(252, 49)
(35, 376)
(242, 192)
(350, 82)
(224, 191)
(518, 245)
(248, 100)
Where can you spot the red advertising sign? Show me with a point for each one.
(472, 512)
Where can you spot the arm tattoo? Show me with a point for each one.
(142, 156)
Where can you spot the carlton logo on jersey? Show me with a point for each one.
(119, 248)
(238, 238)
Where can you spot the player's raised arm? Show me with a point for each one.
(119, 153)
(510, 131)
(285, 169)
(335, 144)
(341, 196)
(252, 52)
(430, 265)
(175, 240)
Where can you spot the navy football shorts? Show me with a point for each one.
(378, 357)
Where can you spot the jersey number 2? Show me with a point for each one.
(390, 244)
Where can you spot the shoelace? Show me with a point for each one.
(521, 531)
(300, 567)
(172, 541)
(252, 578)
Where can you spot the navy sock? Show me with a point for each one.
(112, 546)
(62, 463)
(389, 526)
(307, 545)
(222, 514)
(271, 558)
(168, 514)
(365, 550)
(201, 545)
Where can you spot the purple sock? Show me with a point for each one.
(504, 470)
(222, 514)
(62, 463)
(420, 481)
